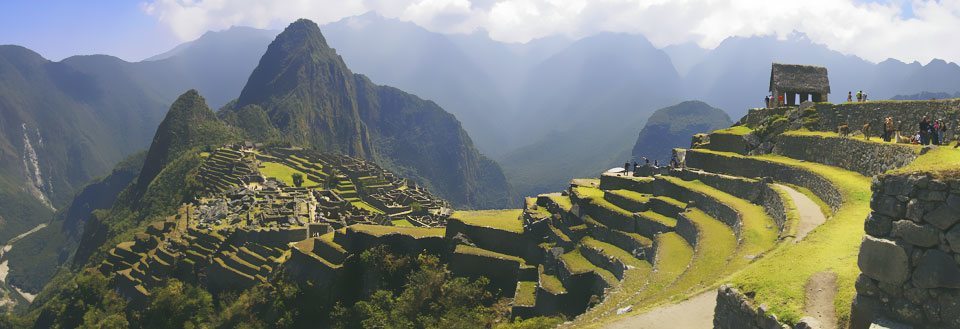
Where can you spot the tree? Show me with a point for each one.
(178, 305)
(297, 179)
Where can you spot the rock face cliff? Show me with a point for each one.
(671, 127)
(312, 99)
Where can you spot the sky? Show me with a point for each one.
(907, 30)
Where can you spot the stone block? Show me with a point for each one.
(943, 216)
(919, 235)
(907, 312)
(897, 185)
(953, 238)
(866, 286)
(915, 210)
(883, 260)
(936, 269)
(888, 205)
(878, 225)
(949, 309)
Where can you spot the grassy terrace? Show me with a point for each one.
(941, 162)
(735, 130)
(656, 217)
(562, 201)
(631, 195)
(506, 219)
(415, 232)
(577, 264)
(778, 278)
(402, 223)
(550, 283)
(824, 207)
(284, 173)
(716, 244)
(673, 257)
(471, 250)
(366, 206)
(612, 251)
(526, 293)
(831, 134)
(758, 231)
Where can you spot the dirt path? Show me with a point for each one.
(821, 291)
(694, 313)
(810, 215)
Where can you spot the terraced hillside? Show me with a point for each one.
(769, 212)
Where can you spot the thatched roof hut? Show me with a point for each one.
(801, 80)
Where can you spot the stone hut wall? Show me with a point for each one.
(755, 116)
(910, 257)
(854, 154)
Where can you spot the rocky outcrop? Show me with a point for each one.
(909, 258)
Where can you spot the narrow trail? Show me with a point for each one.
(810, 215)
(693, 313)
(821, 291)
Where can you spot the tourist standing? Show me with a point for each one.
(859, 96)
(935, 133)
(849, 97)
(924, 131)
(766, 101)
(887, 129)
(780, 100)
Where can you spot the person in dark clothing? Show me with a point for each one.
(935, 133)
(626, 167)
(925, 128)
(635, 165)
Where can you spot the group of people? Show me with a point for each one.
(929, 132)
(932, 132)
(770, 101)
(861, 96)
(637, 167)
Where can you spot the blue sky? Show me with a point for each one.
(907, 30)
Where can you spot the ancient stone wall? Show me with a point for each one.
(910, 257)
(750, 167)
(735, 310)
(728, 143)
(497, 240)
(749, 189)
(909, 113)
(854, 154)
(502, 273)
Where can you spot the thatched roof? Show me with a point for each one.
(799, 78)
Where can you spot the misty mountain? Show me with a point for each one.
(926, 95)
(312, 99)
(671, 127)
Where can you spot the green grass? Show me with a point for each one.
(612, 251)
(758, 231)
(562, 201)
(632, 196)
(284, 173)
(367, 207)
(505, 219)
(793, 216)
(659, 218)
(943, 161)
(471, 250)
(735, 130)
(402, 223)
(778, 279)
(526, 293)
(715, 247)
(577, 264)
(415, 232)
(585, 192)
(672, 258)
(550, 283)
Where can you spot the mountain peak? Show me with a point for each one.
(303, 32)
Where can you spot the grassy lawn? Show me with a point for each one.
(506, 219)
(943, 161)
(778, 278)
(659, 218)
(415, 232)
(831, 134)
(673, 257)
(562, 201)
(402, 223)
(550, 283)
(471, 250)
(758, 231)
(735, 130)
(284, 173)
(577, 264)
(366, 206)
(526, 293)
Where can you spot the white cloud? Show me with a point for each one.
(872, 30)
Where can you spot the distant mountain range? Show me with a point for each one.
(551, 103)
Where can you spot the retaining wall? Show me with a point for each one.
(854, 154)
(750, 167)
(910, 257)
